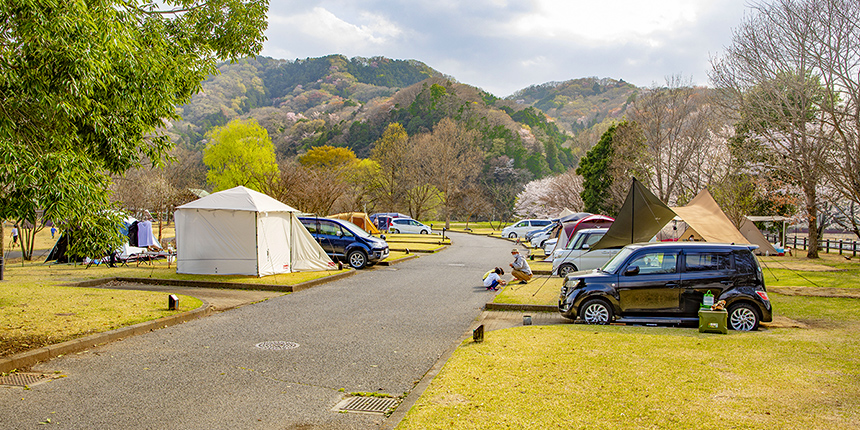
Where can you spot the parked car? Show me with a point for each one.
(524, 226)
(665, 282)
(578, 254)
(408, 225)
(549, 246)
(382, 220)
(345, 241)
(539, 236)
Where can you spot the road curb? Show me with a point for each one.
(398, 261)
(517, 307)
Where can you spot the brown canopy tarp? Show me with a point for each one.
(753, 234)
(704, 216)
(360, 219)
(642, 215)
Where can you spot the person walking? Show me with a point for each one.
(53, 231)
(521, 269)
(15, 235)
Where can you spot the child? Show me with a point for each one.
(492, 280)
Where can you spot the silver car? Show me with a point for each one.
(578, 254)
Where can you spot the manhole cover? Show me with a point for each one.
(277, 345)
(23, 379)
(372, 405)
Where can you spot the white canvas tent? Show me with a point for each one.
(243, 232)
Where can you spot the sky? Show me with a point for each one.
(503, 46)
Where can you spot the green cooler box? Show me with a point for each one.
(713, 321)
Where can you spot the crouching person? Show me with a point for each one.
(521, 269)
(493, 279)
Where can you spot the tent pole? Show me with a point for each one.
(633, 209)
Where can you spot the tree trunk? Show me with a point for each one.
(812, 217)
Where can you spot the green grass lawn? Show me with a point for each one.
(578, 376)
(541, 290)
(595, 377)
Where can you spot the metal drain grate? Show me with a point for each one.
(277, 345)
(23, 379)
(373, 405)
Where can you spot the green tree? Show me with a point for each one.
(239, 153)
(608, 166)
(328, 157)
(84, 87)
(594, 169)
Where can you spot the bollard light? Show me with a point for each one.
(527, 320)
(173, 302)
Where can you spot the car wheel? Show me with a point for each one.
(543, 242)
(357, 259)
(395, 231)
(512, 236)
(566, 269)
(596, 311)
(743, 317)
(425, 232)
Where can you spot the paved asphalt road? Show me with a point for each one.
(378, 331)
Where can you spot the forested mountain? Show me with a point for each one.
(579, 104)
(345, 102)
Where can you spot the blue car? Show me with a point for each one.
(345, 241)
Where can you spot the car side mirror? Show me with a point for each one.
(631, 271)
(339, 233)
(585, 246)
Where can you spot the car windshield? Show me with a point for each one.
(356, 230)
(615, 262)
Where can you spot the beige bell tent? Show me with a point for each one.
(360, 219)
(754, 236)
(706, 221)
(243, 232)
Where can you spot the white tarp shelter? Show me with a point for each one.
(243, 232)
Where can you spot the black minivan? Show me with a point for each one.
(665, 283)
(345, 241)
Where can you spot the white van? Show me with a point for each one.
(524, 226)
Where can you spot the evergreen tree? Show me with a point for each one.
(595, 171)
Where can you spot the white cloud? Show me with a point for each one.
(505, 45)
(604, 22)
(337, 35)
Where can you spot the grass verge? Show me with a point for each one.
(539, 291)
(575, 376)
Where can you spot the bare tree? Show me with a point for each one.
(311, 190)
(451, 159)
(503, 182)
(835, 37)
(391, 152)
(675, 126)
(768, 79)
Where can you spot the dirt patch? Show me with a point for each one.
(783, 322)
(845, 293)
(802, 266)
